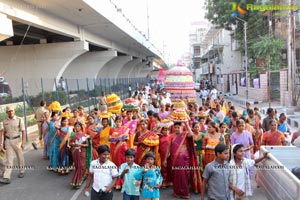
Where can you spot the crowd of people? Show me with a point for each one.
(143, 150)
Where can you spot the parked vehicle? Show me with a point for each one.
(197, 87)
(4, 94)
(274, 174)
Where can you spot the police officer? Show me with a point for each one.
(14, 143)
(39, 116)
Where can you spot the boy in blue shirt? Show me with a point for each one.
(151, 177)
(131, 187)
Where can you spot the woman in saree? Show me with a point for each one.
(132, 125)
(104, 135)
(74, 118)
(210, 141)
(80, 151)
(156, 121)
(164, 141)
(45, 124)
(254, 121)
(53, 143)
(64, 133)
(242, 136)
(118, 145)
(185, 167)
(273, 136)
(93, 130)
(146, 141)
(198, 134)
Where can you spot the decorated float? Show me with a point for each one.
(179, 83)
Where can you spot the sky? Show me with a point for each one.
(169, 22)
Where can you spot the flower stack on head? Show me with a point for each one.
(130, 104)
(202, 114)
(114, 103)
(178, 104)
(179, 116)
(121, 135)
(166, 123)
(55, 106)
(105, 115)
(152, 140)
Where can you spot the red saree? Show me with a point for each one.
(185, 168)
(149, 141)
(132, 125)
(79, 158)
(276, 138)
(118, 144)
(163, 150)
(95, 137)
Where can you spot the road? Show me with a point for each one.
(40, 184)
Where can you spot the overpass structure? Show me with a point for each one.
(71, 39)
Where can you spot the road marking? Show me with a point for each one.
(77, 193)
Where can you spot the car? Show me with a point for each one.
(197, 87)
(4, 94)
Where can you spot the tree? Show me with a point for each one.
(270, 49)
(219, 13)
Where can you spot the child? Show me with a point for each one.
(104, 174)
(151, 177)
(239, 179)
(216, 175)
(130, 189)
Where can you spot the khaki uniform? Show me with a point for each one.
(12, 134)
(39, 115)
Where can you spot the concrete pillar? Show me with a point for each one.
(85, 66)
(6, 28)
(135, 71)
(113, 67)
(125, 71)
(144, 72)
(33, 62)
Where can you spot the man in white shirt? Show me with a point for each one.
(203, 95)
(104, 174)
(213, 93)
(165, 98)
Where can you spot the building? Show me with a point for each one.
(215, 56)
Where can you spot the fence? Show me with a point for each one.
(71, 92)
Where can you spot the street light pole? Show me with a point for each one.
(246, 58)
(246, 54)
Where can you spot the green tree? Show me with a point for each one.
(270, 49)
(219, 13)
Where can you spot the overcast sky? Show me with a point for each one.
(169, 22)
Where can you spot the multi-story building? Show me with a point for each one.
(215, 56)
(197, 32)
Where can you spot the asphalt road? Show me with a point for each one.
(40, 184)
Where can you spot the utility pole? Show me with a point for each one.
(269, 65)
(148, 29)
(246, 58)
(291, 57)
(246, 54)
